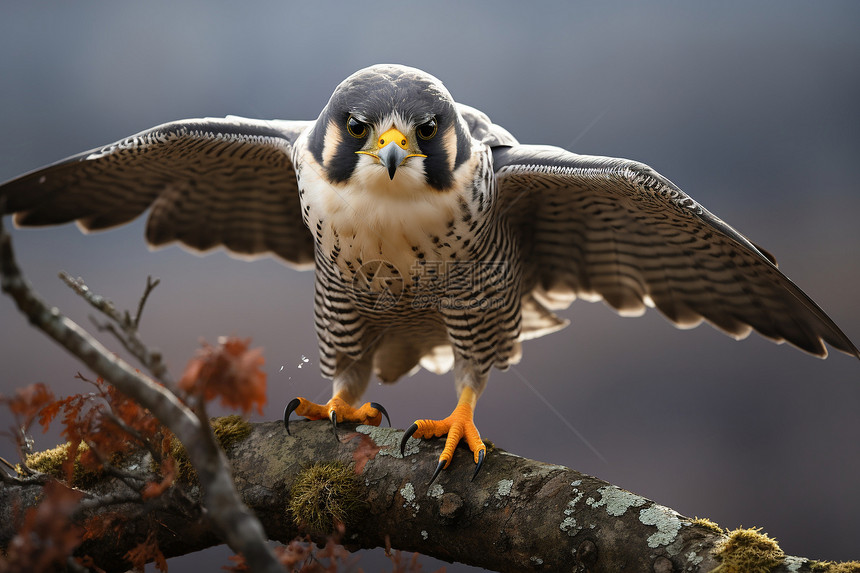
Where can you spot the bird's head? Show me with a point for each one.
(391, 127)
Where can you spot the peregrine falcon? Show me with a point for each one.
(437, 239)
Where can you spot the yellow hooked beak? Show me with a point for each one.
(392, 149)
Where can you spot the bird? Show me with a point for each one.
(437, 239)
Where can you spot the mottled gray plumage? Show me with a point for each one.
(454, 260)
(209, 182)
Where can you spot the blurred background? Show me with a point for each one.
(752, 108)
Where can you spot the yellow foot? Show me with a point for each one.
(460, 424)
(337, 410)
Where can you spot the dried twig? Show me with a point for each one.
(127, 333)
(7, 464)
(230, 517)
(150, 286)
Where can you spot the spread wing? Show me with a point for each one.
(207, 182)
(613, 229)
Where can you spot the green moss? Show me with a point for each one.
(834, 567)
(707, 524)
(230, 429)
(51, 462)
(325, 496)
(748, 551)
(184, 470)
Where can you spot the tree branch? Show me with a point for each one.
(237, 526)
(517, 515)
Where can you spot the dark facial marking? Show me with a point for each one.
(375, 93)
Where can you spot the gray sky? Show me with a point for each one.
(749, 107)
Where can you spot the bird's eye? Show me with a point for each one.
(356, 128)
(427, 130)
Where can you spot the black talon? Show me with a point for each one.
(480, 463)
(437, 472)
(333, 417)
(381, 409)
(406, 435)
(294, 403)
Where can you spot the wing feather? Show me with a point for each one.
(207, 182)
(616, 230)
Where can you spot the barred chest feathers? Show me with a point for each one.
(395, 235)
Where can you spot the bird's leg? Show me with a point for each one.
(349, 384)
(459, 425)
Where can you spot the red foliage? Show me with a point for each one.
(155, 489)
(106, 420)
(27, 402)
(111, 424)
(366, 451)
(47, 536)
(88, 564)
(131, 413)
(303, 557)
(230, 371)
(103, 524)
(25, 405)
(48, 413)
(146, 552)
